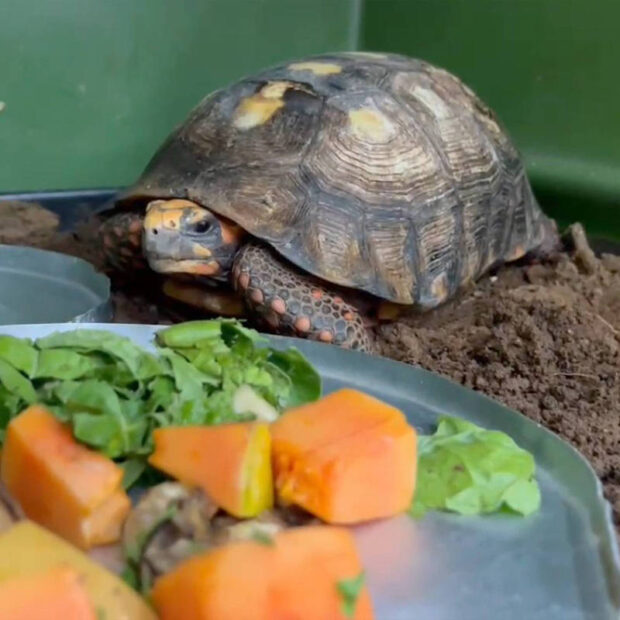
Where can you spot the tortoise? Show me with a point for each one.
(326, 193)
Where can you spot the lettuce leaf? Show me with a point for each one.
(469, 470)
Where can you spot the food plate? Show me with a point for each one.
(40, 287)
(561, 563)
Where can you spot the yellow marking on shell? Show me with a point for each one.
(275, 90)
(370, 125)
(439, 287)
(433, 102)
(256, 110)
(318, 68)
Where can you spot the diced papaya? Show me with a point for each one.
(51, 594)
(61, 484)
(346, 458)
(230, 462)
(299, 576)
(27, 549)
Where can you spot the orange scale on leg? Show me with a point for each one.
(326, 336)
(302, 324)
(244, 280)
(256, 295)
(278, 305)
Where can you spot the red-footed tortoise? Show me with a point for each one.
(326, 188)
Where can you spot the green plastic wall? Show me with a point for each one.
(91, 87)
(549, 68)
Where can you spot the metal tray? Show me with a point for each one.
(561, 564)
(37, 286)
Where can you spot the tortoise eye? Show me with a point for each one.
(202, 226)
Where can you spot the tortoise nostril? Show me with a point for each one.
(155, 231)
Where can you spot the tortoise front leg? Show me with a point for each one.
(294, 303)
(121, 237)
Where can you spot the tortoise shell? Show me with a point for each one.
(377, 172)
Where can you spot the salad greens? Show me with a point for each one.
(114, 394)
(470, 470)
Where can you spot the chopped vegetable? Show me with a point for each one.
(295, 577)
(56, 593)
(27, 549)
(246, 400)
(113, 394)
(469, 470)
(61, 484)
(347, 458)
(230, 462)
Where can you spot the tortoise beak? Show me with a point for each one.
(176, 237)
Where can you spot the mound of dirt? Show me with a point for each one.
(542, 338)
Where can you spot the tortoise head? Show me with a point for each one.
(181, 237)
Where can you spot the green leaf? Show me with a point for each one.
(133, 552)
(162, 391)
(470, 470)
(10, 405)
(94, 396)
(103, 431)
(189, 380)
(189, 334)
(262, 538)
(132, 470)
(130, 576)
(232, 330)
(19, 353)
(63, 364)
(349, 590)
(16, 383)
(305, 380)
(141, 364)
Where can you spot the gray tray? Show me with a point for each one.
(37, 286)
(560, 564)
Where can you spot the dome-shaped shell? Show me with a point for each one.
(371, 171)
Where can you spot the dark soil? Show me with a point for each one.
(542, 338)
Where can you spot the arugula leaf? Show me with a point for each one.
(470, 470)
(102, 431)
(19, 354)
(162, 392)
(141, 364)
(189, 380)
(305, 380)
(132, 470)
(16, 383)
(349, 590)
